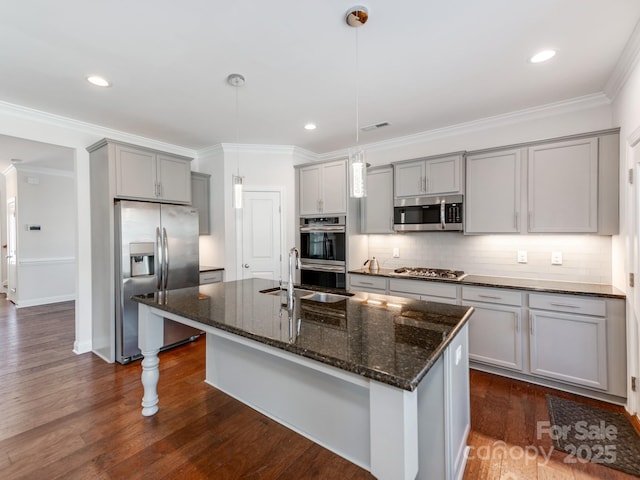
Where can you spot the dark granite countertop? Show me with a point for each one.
(537, 285)
(204, 268)
(390, 339)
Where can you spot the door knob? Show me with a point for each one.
(246, 265)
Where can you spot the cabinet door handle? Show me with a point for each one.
(565, 305)
(366, 283)
(516, 318)
(493, 297)
(531, 324)
(515, 220)
(530, 216)
(426, 184)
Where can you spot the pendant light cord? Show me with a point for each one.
(357, 91)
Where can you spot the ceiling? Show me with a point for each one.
(422, 64)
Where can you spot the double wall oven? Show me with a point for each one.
(323, 251)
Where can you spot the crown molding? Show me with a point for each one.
(39, 116)
(625, 65)
(36, 169)
(519, 116)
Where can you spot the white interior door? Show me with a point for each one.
(12, 276)
(261, 235)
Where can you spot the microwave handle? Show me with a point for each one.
(442, 206)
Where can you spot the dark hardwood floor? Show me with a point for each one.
(76, 417)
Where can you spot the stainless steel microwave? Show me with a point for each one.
(419, 214)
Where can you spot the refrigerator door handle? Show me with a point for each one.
(166, 258)
(159, 262)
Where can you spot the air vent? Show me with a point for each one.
(375, 126)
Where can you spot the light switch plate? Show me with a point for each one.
(396, 252)
(556, 258)
(522, 256)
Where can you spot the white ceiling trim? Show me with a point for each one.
(40, 170)
(625, 65)
(89, 128)
(572, 105)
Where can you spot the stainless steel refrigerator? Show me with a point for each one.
(156, 249)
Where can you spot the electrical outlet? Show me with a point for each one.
(522, 256)
(396, 252)
(556, 258)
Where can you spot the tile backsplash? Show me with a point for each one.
(585, 258)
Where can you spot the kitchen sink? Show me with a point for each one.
(324, 297)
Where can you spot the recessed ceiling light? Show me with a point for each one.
(310, 126)
(543, 56)
(98, 81)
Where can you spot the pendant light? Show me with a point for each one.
(356, 17)
(236, 80)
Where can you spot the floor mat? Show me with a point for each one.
(594, 434)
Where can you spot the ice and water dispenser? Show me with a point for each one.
(141, 255)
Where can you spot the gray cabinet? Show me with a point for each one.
(323, 188)
(211, 276)
(570, 347)
(429, 176)
(561, 186)
(492, 201)
(495, 328)
(200, 198)
(145, 174)
(368, 283)
(441, 292)
(376, 209)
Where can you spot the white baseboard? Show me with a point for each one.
(81, 347)
(34, 302)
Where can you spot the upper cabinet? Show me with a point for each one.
(429, 176)
(492, 201)
(567, 186)
(323, 188)
(150, 175)
(563, 187)
(200, 199)
(376, 209)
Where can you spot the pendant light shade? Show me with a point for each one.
(357, 173)
(357, 17)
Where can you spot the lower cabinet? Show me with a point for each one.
(368, 283)
(571, 347)
(571, 342)
(212, 276)
(495, 328)
(427, 290)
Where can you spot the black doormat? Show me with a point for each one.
(593, 434)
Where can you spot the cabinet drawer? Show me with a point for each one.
(492, 295)
(367, 281)
(420, 287)
(568, 303)
(210, 277)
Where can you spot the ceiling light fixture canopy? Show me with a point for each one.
(237, 80)
(356, 17)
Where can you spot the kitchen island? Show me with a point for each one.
(379, 380)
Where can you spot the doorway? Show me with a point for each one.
(260, 239)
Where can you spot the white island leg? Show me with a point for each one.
(150, 339)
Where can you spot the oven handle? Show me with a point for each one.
(323, 268)
(328, 228)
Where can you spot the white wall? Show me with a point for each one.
(46, 262)
(43, 127)
(627, 115)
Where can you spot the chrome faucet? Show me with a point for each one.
(294, 256)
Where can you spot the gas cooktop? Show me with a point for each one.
(429, 272)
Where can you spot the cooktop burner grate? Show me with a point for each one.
(430, 272)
